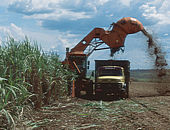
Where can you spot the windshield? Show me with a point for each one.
(110, 71)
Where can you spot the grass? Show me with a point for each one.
(28, 76)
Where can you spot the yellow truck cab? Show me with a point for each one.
(111, 74)
(112, 78)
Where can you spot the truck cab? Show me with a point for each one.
(111, 74)
(112, 78)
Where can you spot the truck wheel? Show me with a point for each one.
(89, 89)
(89, 94)
(99, 95)
(125, 95)
(77, 93)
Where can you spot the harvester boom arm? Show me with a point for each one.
(114, 38)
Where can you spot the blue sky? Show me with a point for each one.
(59, 24)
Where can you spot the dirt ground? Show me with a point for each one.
(144, 110)
(148, 89)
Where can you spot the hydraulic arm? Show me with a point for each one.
(114, 38)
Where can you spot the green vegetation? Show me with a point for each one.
(28, 77)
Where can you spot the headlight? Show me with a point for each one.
(124, 85)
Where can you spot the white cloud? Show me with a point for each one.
(47, 40)
(53, 40)
(126, 2)
(6, 2)
(12, 31)
(61, 13)
(56, 9)
(67, 39)
(158, 11)
(155, 2)
(17, 30)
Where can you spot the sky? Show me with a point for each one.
(57, 24)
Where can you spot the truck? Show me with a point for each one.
(112, 78)
(114, 38)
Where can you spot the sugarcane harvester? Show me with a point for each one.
(114, 38)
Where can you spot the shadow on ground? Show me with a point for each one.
(99, 98)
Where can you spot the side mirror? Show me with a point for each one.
(92, 74)
(67, 49)
(88, 64)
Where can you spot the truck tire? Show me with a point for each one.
(127, 91)
(98, 96)
(90, 89)
(125, 95)
(77, 93)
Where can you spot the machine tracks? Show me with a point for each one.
(152, 114)
(151, 110)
